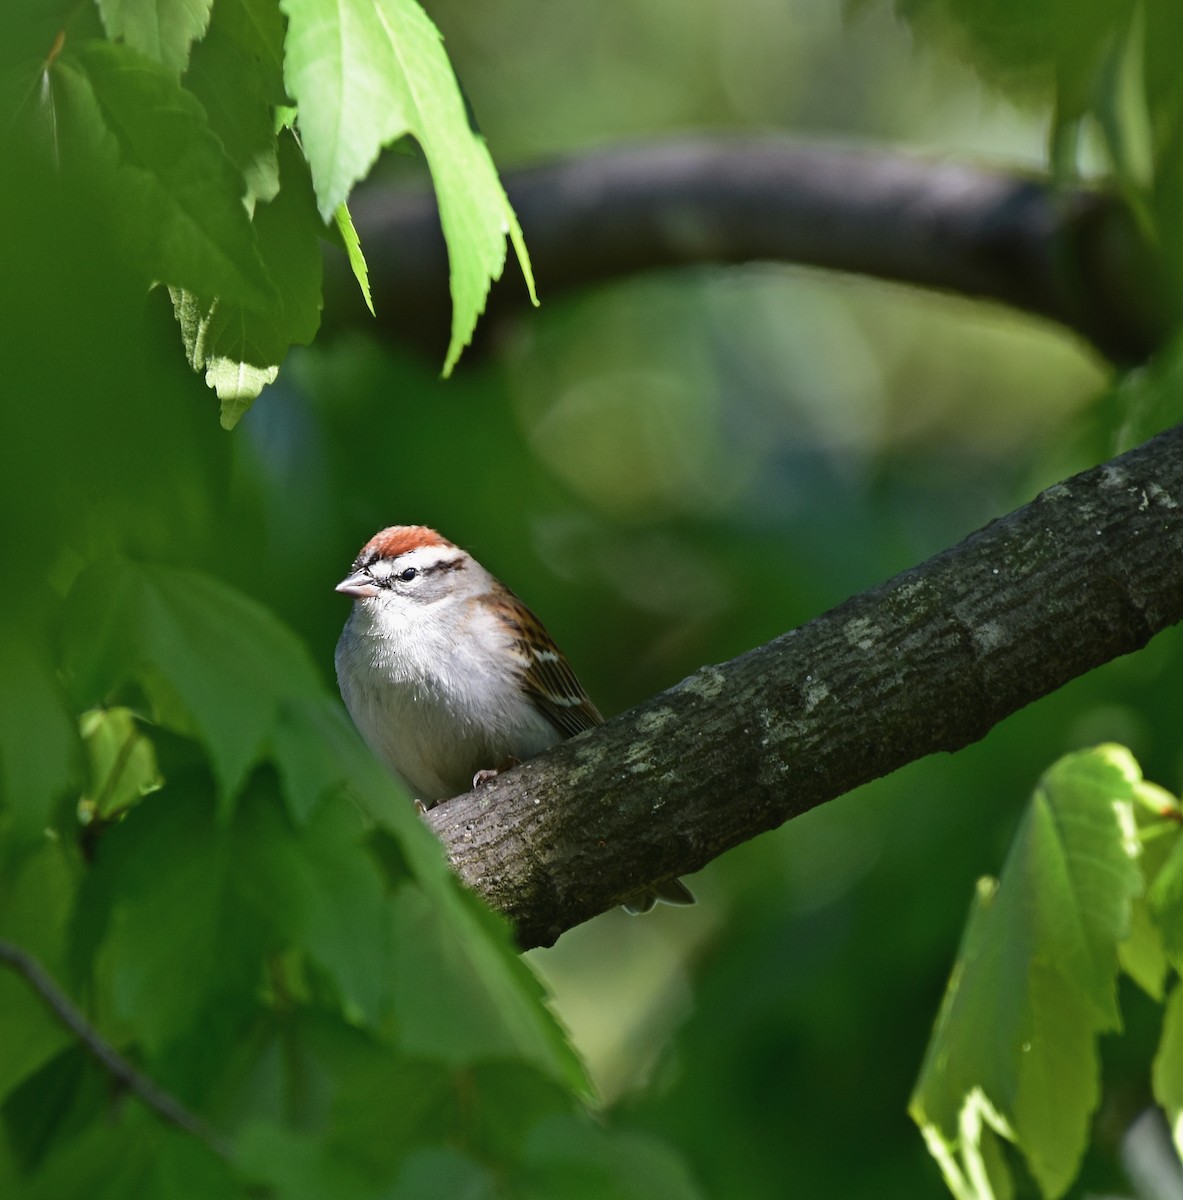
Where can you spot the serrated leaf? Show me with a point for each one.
(238, 385)
(228, 75)
(161, 29)
(130, 124)
(1035, 980)
(239, 348)
(365, 72)
(357, 261)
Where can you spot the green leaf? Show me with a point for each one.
(1035, 981)
(365, 72)
(569, 1156)
(122, 761)
(214, 664)
(1165, 896)
(232, 75)
(38, 743)
(168, 933)
(35, 897)
(240, 348)
(146, 140)
(352, 244)
(291, 1166)
(1142, 955)
(487, 1002)
(443, 1171)
(1122, 110)
(1167, 1075)
(161, 29)
(127, 1151)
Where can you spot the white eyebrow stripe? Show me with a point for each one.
(423, 558)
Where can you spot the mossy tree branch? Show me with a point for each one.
(929, 661)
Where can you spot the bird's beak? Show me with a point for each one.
(358, 584)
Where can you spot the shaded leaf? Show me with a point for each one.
(35, 898)
(129, 124)
(238, 347)
(214, 664)
(161, 29)
(39, 748)
(487, 1002)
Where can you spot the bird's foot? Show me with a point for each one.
(492, 772)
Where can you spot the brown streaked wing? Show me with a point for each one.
(560, 697)
(547, 677)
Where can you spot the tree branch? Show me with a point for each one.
(165, 1105)
(1073, 256)
(931, 660)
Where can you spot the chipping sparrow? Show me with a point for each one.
(447, 674)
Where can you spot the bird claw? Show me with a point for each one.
(492, 772)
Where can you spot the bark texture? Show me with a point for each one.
(931, 660)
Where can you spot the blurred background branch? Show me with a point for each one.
(930, 660)
(1072, 255)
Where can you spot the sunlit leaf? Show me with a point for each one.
(1035, 980)
(1168, 1066)
(366, 73)
(353, 249)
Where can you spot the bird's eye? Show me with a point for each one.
(407, 575)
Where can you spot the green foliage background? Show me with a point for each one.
(671, 470)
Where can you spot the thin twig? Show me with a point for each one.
(166, 1106)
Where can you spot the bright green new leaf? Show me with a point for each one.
(161, 29)
(365, 72)
(146, 142)
(122, 761)
(1035, 981)
(357, 259)
(1165, 895)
